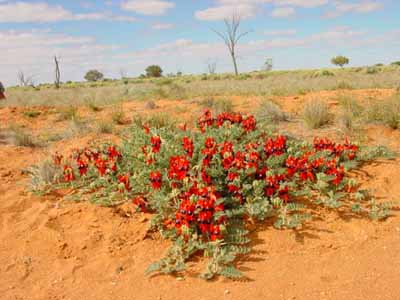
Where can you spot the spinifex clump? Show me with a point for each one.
(203, 186)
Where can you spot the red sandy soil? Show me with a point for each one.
(54, 249)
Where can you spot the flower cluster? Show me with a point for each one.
(207, 120)
(104, 161)
(203, 185)
(205, 214)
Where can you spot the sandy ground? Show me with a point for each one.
(54, 249)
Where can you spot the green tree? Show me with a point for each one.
(154, 71)
(340, 61)
(94, 75)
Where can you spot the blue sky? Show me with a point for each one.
(124, 36)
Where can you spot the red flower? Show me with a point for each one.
(146, 128)
(156, 180)
(249, 124)
(124, 179)
(68, 174)
(209, 143)
(155, 143)
(215, 232)
(57, 159)
(188, 146)
(205, 177)
(82, 166)
(232, 176)
(178, 167)
(261, 173)
(182, 126)
(206, 120)
(275, 147)
(233, 118)
(101, 166)
(113, 153)
(140, 202)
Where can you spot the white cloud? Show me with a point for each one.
(148, 7)
(41, 12)
(249, 8)
(226, 11)
(162, 26)
(302, 3)
(283, 12)
(33, 12)
(283, 32)
(341, 8)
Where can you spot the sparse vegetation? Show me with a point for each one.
(32, 113)
(270, 111)
(316, 114)
(44, 175)
(118, 115)
(21, 137)
(386, 112)
(105, 127)
(69, 113)
(217, 105)
(151, 105)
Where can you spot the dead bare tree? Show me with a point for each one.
(122, 73)
(231, 37)
(24, 80)
(57, 73)
(211, 67)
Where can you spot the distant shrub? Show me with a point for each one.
(94, 75)
(340, 61)
(322, 73)
(69, 113)
(22, 138)
(343, 85)
(151, 105)
(278, 92)
(243, 77)
(154, 71)
(93, 106)
(118, 115)
(372, 70)
(218, 106)
(303, 91)
(270, 111)
(395, 63)
(350, 106)
(379, 65)
(105, 127)
(32, 113)
(44, 175)
(157, 120)
(164, 81)
(346, 120)
(316, 114)
(386, 112)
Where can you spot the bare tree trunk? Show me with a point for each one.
(231, 37)
(25, 80)
(235, 64)
(58, 76)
